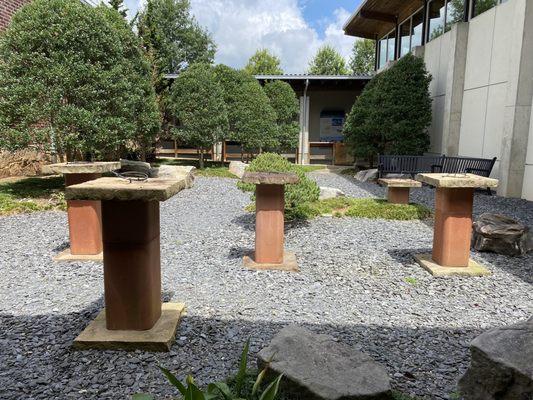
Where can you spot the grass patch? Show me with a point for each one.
(307, 168)
(211, 168)
(32, 194)
(411, 281)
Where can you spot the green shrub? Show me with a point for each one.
(296, 195)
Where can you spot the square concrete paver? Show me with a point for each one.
(289, 263)
(66, 256)
(159, 338)
(473, 269)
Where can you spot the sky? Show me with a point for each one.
(291, 29)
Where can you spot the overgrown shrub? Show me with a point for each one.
(393, 113)
(296, 195)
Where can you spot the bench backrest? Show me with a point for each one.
(461, 165)
(391, 164)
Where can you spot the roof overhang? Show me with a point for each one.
(374, 18)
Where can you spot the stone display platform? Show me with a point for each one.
(289, 263)
(457, 181)
(398, 189)
(158, 338)
(270, 178)
(97, 167)
(439, 271)
(66, 256)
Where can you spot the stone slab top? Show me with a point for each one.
(401, 183)
(270, 178)
(444, 180)
(153, 189)
(81, 167)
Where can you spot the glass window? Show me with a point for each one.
(480, 6)
(436, 11)
(455, 12)
(405, 38)
(391, 52)
(382, 53)
(416, 29)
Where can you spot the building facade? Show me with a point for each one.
(7, 9)
(479, 54)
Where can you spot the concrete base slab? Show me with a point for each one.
(159, 338)
(473, 268)
(289, 263)
(66, 255)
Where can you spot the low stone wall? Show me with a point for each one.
(22, 163)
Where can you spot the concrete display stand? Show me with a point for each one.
(84, 217)
(270, 222)
(134, 317)
(453, 224)
(398, 189)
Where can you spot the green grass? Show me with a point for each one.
(308, 168)
(211, 169)
(411, 281)
(32, 194)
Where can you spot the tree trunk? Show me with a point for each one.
(201, 158)
(242, 153)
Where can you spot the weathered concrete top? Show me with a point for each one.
(153, 189)
(401, 183)
(81, 167)
(457, 180)
(270, 178)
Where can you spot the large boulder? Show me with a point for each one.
(367, 175)
(25, 162)
(502, 365)
(318, 367)
(175, 172)
(330, 193)
(500, 234)
(135, 166)
(238, 168)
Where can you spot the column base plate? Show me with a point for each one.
(66, 256)
(473, 269)
(289, 263)
(159, 338)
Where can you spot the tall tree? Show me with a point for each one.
(73, 80)
(119, 6)
(263, 62)
(328, 61)
(362, 61)
(393, 113)
(285, 103)
(252, 120)
(197, 101)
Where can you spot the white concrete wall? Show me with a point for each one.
(527, 189)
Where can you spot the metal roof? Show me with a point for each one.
(301, 77)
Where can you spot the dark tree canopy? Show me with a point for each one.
(74, 79)
(285, 103)
(328, 61)
(393, 113)
(263, 62)
(119, 6)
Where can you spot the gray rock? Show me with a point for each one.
(238, 168)
(500, 234)
(367, 175)
(330, 193)
(174, 172)
(502, 365)
(318, 367)
(136, 166)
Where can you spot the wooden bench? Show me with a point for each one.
(398, 189)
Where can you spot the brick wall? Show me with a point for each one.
(7, 9)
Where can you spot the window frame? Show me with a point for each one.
(410, 19)
(388, 36)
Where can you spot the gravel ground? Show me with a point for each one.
(351, 285)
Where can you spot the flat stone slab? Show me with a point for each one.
(98, 167)
(152, 189)
(457, 180)
(159, 338)
(66, 256)
(270, 178)
(289, 263)
(400, 183)
(473, 269)
(319, 367)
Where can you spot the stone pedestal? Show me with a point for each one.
(453, 224)
(134, 316)
(398, 189)
(84, 216)
(270, 221)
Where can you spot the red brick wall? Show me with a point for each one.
(7, 9)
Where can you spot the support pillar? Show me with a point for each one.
(269, 224)
(398, 195)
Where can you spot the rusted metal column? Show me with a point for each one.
(453, 226)
(84, 219)
(270, 220)
(398, 195)
(132, 266)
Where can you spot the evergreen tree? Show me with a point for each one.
(119, 6)
(264, 63)
(285, 103)
(363, 57)
(328, 61)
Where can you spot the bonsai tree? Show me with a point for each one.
(393, 113)
(328, 61)
(264, 63)
(285, 103)
(74, 81)
(198, 104)
(252, 120)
